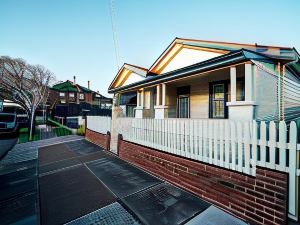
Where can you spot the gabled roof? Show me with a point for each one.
(215, 46)
(125, 71)
(226, 60)
(71, 87)
(226, 54)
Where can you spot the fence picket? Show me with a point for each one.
(200, 140)
(186, 138)
(210, 141)
(227, 144)
(174, 138)
(196, 139)
(191, 138)
(205, 139)
(221, 145)
(254, 147)
(263, 143)
(240, 146)
(272, 144)
(178, 141)
(247, 147)
(233, 146)
(215, 136)
(292, 168)
(282, 145)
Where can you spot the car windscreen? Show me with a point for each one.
(7, 118)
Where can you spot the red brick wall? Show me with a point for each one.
(103, 140)
(259, 200)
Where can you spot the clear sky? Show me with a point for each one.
(74, 37)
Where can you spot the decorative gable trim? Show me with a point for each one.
(124, 73)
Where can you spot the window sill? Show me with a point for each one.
(241, 103)
(161, 107)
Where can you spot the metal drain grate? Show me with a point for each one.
(22, 210)
(83, 147)
(18, 183)
(120, 177)
(165, 204)
(71, 193)
(54, 153)
(215, 216)
(111, 214)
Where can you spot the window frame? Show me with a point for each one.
(178, 107)
(225, 99)
(81, 94)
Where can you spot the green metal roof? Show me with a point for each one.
(69, 86)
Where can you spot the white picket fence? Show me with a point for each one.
(100, 124)
(232, 145)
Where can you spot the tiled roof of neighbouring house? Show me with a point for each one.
(69, 86)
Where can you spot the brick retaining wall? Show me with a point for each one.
(103, 140)
(258, 200)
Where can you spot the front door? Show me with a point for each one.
(183, 106)
(218, 99)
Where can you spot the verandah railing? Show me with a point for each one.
(233, 145)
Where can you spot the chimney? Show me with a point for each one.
(88, 84)
(74, 79)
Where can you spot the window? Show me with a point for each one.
(128, 98)
(81, 96)
(218, 99)
(154, 94)
(183, 106)
(240, 90)
(130, 110)
(147, 99)
(71, 95)
(61, 94)
(183, 102)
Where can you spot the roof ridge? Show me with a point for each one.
(232, 43)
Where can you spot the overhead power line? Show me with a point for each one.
(115, 33)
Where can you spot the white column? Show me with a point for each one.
(142, 98)
(163, 94)
(233, 84)
(138, 98)
(248, 82)
(158, 94)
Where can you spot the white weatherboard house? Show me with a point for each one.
(205, 79)
(226, 105)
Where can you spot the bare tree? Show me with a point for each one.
(25, 84)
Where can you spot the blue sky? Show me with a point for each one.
(74, 37)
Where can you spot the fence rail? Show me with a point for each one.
(233, 145)
(100, 124)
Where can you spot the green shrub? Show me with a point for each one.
(81, 130)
